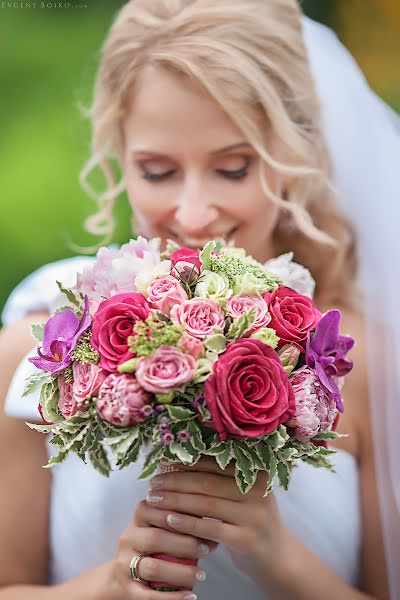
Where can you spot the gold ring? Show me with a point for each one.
(133, 567)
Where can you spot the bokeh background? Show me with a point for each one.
(48, 59)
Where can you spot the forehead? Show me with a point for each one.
(167, 108)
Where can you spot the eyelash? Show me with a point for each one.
(235, 175)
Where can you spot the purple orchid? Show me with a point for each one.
(326, 353)
(61, 334)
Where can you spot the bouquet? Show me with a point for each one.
(187, 353)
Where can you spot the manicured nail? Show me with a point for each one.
(201, 576)
(154, 499)
(156, 482)
(174, 519)
(203, 549)
(190, 597)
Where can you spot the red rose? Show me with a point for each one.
(249, 393)
(112, 325)
(187, 255)
(292, 316)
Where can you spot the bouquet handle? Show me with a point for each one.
(165, 467)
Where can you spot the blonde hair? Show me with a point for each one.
(249, 55)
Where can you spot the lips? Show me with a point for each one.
(195, 243)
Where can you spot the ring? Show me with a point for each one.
(133, 567)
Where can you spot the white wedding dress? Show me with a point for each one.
(89, 512)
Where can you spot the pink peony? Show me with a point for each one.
(248, 394)
(87, 380)
(164, 370)
(67, 404)
(115, 269)
(191, 345)
(315, 405)
(292, 316)
(122, 401)
(113, 324)
(164, 293)
(238, 305)
(201, 316)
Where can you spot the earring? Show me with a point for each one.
(286, 222)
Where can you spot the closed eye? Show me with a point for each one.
(236, 174)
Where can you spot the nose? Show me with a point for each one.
(195, 210)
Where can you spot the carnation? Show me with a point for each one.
(315, 406)
(121, 400)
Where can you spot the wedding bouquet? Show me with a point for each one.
(186, 353)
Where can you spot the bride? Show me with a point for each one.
(238, 119)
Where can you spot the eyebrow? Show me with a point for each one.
(214, 152)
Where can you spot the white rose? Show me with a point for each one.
(145, 278)
(292, 274)
(214, 286)
(249, 284)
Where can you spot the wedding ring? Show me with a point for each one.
(133, 567)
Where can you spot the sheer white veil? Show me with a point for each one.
(363, 136)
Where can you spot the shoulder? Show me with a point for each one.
(39, 290)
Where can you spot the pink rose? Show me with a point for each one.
(113, 324)
(188, 255)
(200, 316)
(315, 406)
(292, 316)
(122, 401)
(87, 380)
(191, 345)
(238, 305)
(164, 370)
(249, 393)
(67, 404)
(165, 292)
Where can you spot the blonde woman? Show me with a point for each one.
(212, 112)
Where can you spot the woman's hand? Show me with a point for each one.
(148, 533)
(249, 525)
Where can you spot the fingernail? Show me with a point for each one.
(174, 519)
(190, 597)
(203, 549)
(154, 499)
(201, 576)
(156, 482)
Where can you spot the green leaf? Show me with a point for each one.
(241, 481)
(178, 450)
(196, 439)
(37, 330)
(283, 474)
(330, 435)
(224, 458)
(49, 397)
(35, 382)
(179, 413)
(255, 457)
(242, 324)
(243, 463)
(99, 460)
(130, 456)
(270, 462)
(147, 471)
(205, 256)
(216, 343)
(70, 294)
(56, 460)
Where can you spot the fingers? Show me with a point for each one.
(139, 591)
(150, 540)
(198, 505)
(209, 484)
(176, 575)
(146, 516)
(232, 536)
(209, 465)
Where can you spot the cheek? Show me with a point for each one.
(150, 209)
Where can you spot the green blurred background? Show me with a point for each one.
(48, 58)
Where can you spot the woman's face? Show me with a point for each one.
(190, 175)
